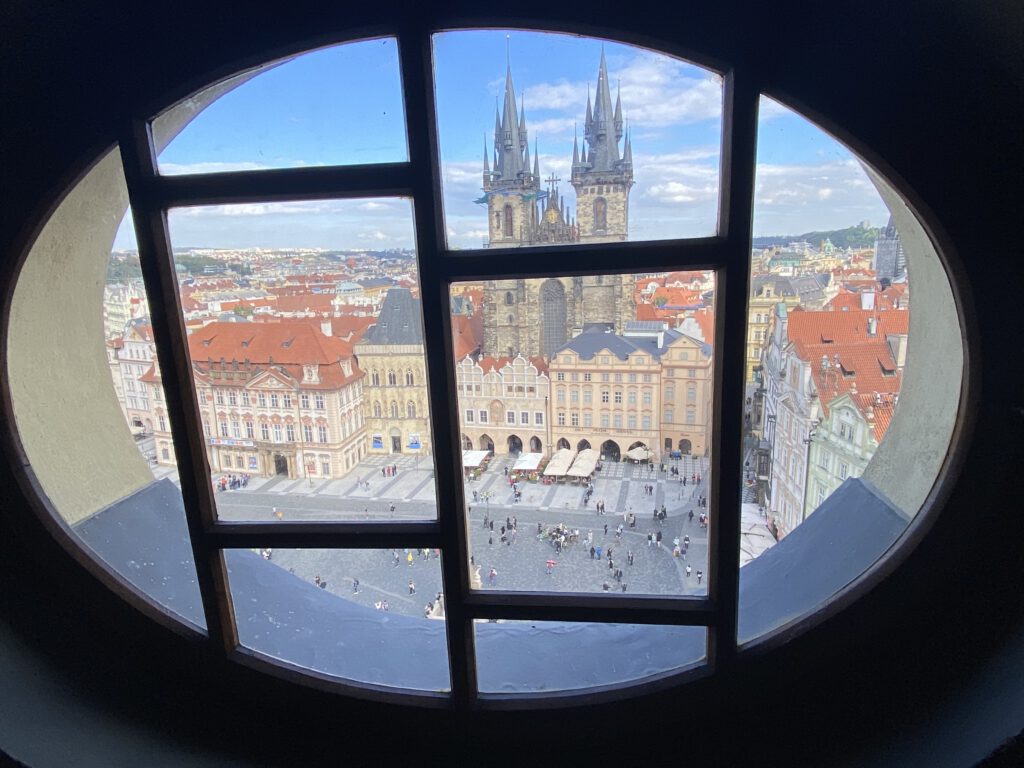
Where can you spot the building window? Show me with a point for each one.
(410, 410)
(618, 396)
(394, 410)
(586, 377)
(645, 422)
(277, 433)
(647, 397)
(286, 400)
(538, 418)
(604, 395)
(469, 415)
(318, 401)
(408, 378)
(483, 416)
(275, 401)
(236, 429)
(232, 398)
(375, 378)
(245, 398)
(321, 433)
(604, 420)
(392, 379)
(524, 417)
(223, 429)
(261, 399)
(377, 413)
(631, 421)
(844, 470)
(574, 418)
(290, 432)
(617, 421)
(264, 431)
(631, 397)
(561, 418)
(588, 419)
(587, 396)
(307, 432)
(248, 430)
(559, 376)
(669, 416)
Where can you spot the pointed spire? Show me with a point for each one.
(590, 114)
(536, 162)
(627, 153)
(575, 148)
(487, 167)
(618, 113)
(526, 158)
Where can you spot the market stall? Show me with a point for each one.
(584, 465)
(559, 464)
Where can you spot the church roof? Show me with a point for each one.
(399, 321)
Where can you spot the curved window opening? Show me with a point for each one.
(281, 313)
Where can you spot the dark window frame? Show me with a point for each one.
(726, 254)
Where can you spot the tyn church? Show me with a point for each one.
(536, 317)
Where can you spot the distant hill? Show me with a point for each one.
(851, 237)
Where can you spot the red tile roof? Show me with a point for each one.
(467, 333)
(287, 345)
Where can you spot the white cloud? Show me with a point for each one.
(180, 169)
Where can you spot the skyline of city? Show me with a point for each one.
(806, 180)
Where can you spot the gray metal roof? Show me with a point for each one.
(399, 321)
(588, 344)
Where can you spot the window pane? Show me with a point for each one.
(306, 337)
(598, 504)
(530, 656)
(591, 141)
(370, 616)
(336, 106)
(827, 335)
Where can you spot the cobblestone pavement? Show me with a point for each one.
(521, 565)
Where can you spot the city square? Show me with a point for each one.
(523, 560)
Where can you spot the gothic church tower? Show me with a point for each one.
(512, 187)
(601, 177)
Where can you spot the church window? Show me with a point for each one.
(507, 230)
(600, 215)
(410, 410)
(408, 378)
(375, 378)
(392, 379)
(394, 409)
(509, 300)
(376, 410)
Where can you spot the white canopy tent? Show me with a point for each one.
(527, 462)
(639, 453)
(585, 464)
(473, 459)
(560, 463)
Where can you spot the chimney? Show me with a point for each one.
(872, 326)
(325, 325)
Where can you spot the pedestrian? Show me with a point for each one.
(412, 587)
(650, 539)
(355, 586)
(592, 553)
(700, 575)
(394, 553)
(689, 570)
(492, 577)
(623, 586)
(629, 557)
(385, 606)
(316, 579)
(278, 514)
(515, 523)
(408, 558)
(490, 539)
(691, 515)
(598, 550)
(606, 529)
(657, 538)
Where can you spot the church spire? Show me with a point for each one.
(536, 163)
(487, 167)
(618, 112)
(627, 153)
(575, 149)
(526, 159)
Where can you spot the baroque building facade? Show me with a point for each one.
(275, 399)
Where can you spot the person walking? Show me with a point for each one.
(492, 577)
(700, 575)
(606, 529)
(355, 586)
(689, 570)
(408, 558)
(412, 587)
(629, 557)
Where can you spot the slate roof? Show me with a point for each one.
(399, 321)
(586, 345)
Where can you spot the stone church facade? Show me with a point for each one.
(536, 317)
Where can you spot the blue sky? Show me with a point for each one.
(343, 105)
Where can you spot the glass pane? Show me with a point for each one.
(337, 106)
(306, 341)
(370, 616)
(585, 414)
(635, 134)
(826, 347)
(531, 656)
